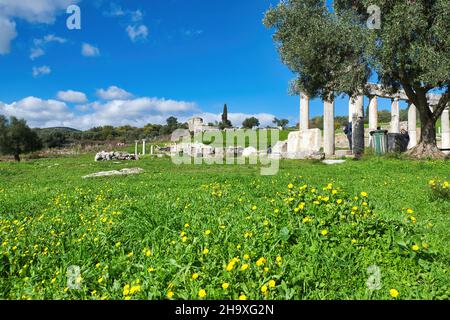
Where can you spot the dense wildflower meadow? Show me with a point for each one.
(371, 229)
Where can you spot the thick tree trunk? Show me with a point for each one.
(427, 148)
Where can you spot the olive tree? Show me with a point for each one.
(16, 137)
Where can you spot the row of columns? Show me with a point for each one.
(356, 116)
(143, 147)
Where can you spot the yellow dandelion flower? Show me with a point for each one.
(225, 285)
(186, 225)
(290, 186)
(195, 276)
(205, 251)
(242, 297)
(394, 293)
(202, 293)
(184, 239)
(135, 289)
(130, 254)
(244, 267)
(264, 289)
(415, 247)
(207, 232)
(272, 283)
(100, 280)
(364, 194)
(126, 290)
(410, 211)
(170, 294)
(260, 262)
(324, 232)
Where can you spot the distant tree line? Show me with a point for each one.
(17, 138)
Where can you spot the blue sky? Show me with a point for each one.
(163, 57)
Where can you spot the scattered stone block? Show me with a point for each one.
(122, 172)
(114, 156)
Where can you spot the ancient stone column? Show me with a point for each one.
(328, 128)
(358, 126)
(351, 109)
(304, 112)
(445, 129)
(151, 149)
(373, 115)
(395, 116)
(136, 147)
(143, 147)
(412, 126)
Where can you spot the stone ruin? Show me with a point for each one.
(114, 156)
(199, 150)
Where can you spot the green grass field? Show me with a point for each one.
(223, 232)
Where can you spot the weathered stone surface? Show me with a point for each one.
(249, 152)
(122, 172)
(280, 147)
(304, 142)
(316, 156)
(333, 162)
(219, 151)
(114, 155)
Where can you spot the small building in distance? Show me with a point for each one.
(196, 125)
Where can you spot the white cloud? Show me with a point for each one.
(35, 11)
(137, 112)
(88, 50)
(72, 96)
(117, 112)
(39, 45)
(137, 32)
(115, 11)
(32, 11)
(136, 16)
(38, 112)
(113, 93)
(191, 33)
(36, 53)
(38, 71)
(7, 34)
